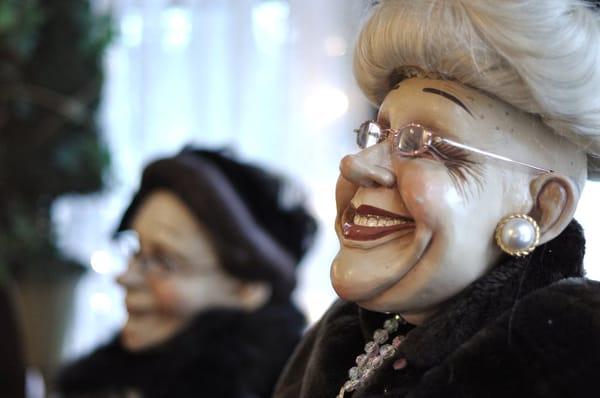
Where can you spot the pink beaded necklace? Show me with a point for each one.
(376, 352)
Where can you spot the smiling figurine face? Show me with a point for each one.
(415, 231)
(184, 277)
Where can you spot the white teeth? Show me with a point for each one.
(377, 221)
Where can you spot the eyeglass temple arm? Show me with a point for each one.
(493, 155)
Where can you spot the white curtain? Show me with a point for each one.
(271, 79)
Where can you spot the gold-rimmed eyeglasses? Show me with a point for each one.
(149, 263)
(414, 140)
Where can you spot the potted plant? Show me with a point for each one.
(50, 85)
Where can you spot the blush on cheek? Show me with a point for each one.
(417, 198)
(167, 295)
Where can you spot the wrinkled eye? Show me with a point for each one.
(162, 263)
(410, 140)
(369, 134)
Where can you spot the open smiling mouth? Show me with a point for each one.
(369, 223)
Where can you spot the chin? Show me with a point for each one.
(131, 341)
(380, 279)
(345, 283)
(141, 335)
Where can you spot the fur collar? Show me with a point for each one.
(225, 353)
(499, 292)
(486, 299)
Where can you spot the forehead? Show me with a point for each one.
(414, 94)
(163, 208)
(164, 221)
(489, 124)
(451, 109)
(163, 218)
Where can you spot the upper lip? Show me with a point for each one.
(138, 311)
(135, 308)
(368, 210)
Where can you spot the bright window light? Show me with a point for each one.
(132, 29)
(101, 303)
(177, 26)
(101, 262)
(324, 105)
(335, 46)
(270, 24)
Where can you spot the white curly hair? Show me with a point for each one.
(541, 56)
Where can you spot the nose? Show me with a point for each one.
(132, 277)
(369, 168)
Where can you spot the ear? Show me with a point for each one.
(555, 197)
(253, 295)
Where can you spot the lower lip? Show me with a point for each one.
(362, 233)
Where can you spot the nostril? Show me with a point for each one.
(384, 177)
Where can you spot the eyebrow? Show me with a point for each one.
(447, 96)
(383, 120)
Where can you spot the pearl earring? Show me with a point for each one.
(517, 234)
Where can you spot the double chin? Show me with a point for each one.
(362, 274)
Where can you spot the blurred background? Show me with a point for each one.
(94, 90)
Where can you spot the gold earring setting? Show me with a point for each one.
(517, 234)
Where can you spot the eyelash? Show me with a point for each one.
(455, 159)
(453, 156)
(459, 166)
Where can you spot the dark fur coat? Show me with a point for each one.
(221, 354)
(529, 328)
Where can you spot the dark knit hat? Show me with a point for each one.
(260, 227)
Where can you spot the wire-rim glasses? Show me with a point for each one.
(130, 248)
(414, 140)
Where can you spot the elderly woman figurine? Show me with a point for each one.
(208, 290)
(460, 264)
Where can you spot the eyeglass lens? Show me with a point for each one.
(410, 140)
(368, 134)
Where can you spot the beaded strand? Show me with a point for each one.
(376, 352)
